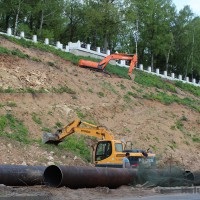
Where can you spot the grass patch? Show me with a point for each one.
(196, 139)
(189, 88)
(127, 98)
(13, 128)
(150, 80)
(109, 87)
(100, 94)
(80, 114)
(169, 99)
(15, 52)
(77, 145)
(63, 89)
(59, 90)
(46, 48)
(36, 118)
(8, 103)
(58, 125)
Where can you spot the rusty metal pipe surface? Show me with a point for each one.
(87, 177)
(21, 175)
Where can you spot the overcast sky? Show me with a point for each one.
(194, 5)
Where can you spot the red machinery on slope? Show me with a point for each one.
(103, 63)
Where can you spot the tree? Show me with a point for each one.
(183, 38)
(102, 22)
(155, 37)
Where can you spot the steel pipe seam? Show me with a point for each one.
(21, 175)
(87, 177)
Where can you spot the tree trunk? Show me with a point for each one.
(41, 22)
(167, 60)
(17, 17)
(105, 42)
(152, 61)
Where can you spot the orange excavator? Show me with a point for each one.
(103, 63)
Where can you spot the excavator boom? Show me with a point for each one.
(74, 127)
(102, 64)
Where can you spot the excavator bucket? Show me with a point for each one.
(132, 76)
(50, 138)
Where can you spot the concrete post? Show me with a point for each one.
(34, 38)
(187, 79)
(69, 44)
(46, 41)
(165, 73)
(172, 75)
(149, 69)
(22, 35)
(157, 71)
(193, 80)
(88, 46)
(61, 46)
(9, 31)
(108, 52)
(78, 44)
(98, 50)
(58, 45)
(122, 62)
(141, 66)
(180, 77)
(67, 48)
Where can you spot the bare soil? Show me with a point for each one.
(100, 99)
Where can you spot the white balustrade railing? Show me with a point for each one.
(80, 48)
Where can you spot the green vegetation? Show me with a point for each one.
(59, 90)
(169, 99)
(150, 80)
(196, 139)
(36, 118)
(63, 89)
(109, 87)
(132, 94)
(173, 145)
(121, 72)
(122, 86)
(45, 129)
(8, 103)
(78, 145)
(46, 48)
(100, 94)
(189, 88)
(13, 128)
(15, 52)
(59, 125)
(127, 98)
(80, 114)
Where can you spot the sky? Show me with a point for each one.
(194, 5)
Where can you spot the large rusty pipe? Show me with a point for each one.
(21, 175)
(87, 177)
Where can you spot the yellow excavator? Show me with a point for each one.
(109, 152)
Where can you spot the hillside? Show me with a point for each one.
(42, 92)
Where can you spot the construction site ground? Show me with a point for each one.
(96, 98)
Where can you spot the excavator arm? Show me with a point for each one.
(102, 64)
(74, 127)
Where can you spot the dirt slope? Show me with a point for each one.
(97, 98)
